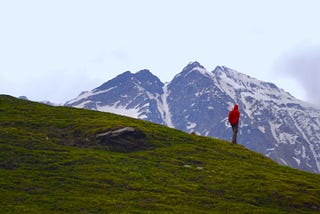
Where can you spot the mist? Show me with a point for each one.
(303, 65)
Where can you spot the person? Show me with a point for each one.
(233, 117)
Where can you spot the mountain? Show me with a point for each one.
(128, 94)
(68, 160)
(273, 122)
(44, 101)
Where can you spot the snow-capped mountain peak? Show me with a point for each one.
(194, 68)
(272, 121)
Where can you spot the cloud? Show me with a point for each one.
(303, 65)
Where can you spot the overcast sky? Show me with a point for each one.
(53, 50)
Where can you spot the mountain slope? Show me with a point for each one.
(273, 122)
(53, 160)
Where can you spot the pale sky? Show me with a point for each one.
(55, 49)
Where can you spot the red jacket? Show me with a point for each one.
(234, 115)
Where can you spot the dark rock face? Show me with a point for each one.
(272, 121)
(126, 139)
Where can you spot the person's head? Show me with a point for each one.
(236, 107)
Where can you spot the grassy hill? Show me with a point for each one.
(52, 160)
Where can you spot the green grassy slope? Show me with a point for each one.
(51, 162)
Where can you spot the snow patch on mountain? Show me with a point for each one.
(202, 71)
(262, 129)
(165, 109)
(191, 125)
(87, 94)
(122, 110)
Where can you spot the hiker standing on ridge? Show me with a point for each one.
(233, 117)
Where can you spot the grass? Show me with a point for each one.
(51, 162)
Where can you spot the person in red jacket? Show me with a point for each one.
(233, 117)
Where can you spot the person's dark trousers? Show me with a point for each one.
(234, 133)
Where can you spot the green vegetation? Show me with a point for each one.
(52, 162)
